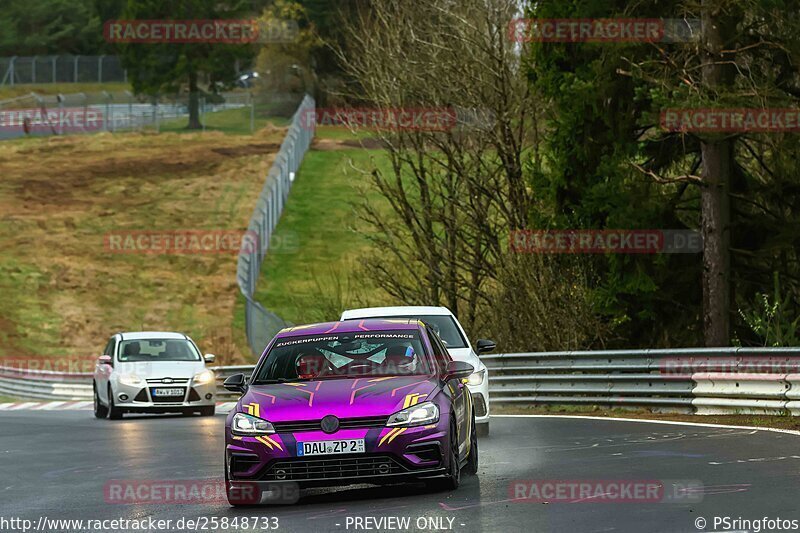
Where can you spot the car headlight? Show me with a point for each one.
(476, 378)
(206, 376)
(243, 424)
(424, 413)
(130, 379)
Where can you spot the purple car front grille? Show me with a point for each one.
(344, 423)
(301, 469)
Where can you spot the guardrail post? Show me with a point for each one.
(60, 114)
(10, 72)
(252, 112)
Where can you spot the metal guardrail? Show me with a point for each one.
(701, 381)
(77, 386)
(260, 323)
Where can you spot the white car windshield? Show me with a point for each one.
(157, 350)
(443, 325)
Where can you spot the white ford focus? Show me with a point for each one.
(444, 322)
(153, 372)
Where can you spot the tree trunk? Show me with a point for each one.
(715, 228)
(194, 102)
(717, 155)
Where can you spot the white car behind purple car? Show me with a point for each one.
(452, 333)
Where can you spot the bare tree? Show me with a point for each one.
(456, 194)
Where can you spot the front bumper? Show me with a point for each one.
(393, 455)
(141, 398)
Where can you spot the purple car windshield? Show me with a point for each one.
(345, 355)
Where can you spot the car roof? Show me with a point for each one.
(350, 326)
(402, 310)
(138, 335)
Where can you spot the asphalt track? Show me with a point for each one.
(56, 464)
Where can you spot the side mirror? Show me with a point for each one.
(209, 358)
(236, 383)
(105, 360)
(458, 370)
(485, 345)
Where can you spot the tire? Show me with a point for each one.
(483, 429)
(471, 467)
(208, 411)
(100, 410)
(452, 479)
(114, 412)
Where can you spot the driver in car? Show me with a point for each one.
(400, 359)
(132, 350)
(311, 364)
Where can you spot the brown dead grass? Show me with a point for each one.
(64, 293)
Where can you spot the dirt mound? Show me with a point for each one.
(65, 291)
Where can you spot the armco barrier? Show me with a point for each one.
(48, 385)
(700, 381)
(42, 384)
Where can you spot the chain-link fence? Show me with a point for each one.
(40, 115)
(261, 324)
(61, 69)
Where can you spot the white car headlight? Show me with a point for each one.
(206, 376)
(243, 424)
(131, 380)
(424, 413)
(476, 378)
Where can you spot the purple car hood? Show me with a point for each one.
(343, 398)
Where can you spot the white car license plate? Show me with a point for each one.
(330, 447)
(167, 392)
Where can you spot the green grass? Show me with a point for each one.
(230, 121)
(7, 399)
(22, 285)
(340, 133)
(319, 240)
(6, 91)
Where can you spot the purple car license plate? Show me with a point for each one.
(330, 447)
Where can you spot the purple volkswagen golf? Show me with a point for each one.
(341, 403)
